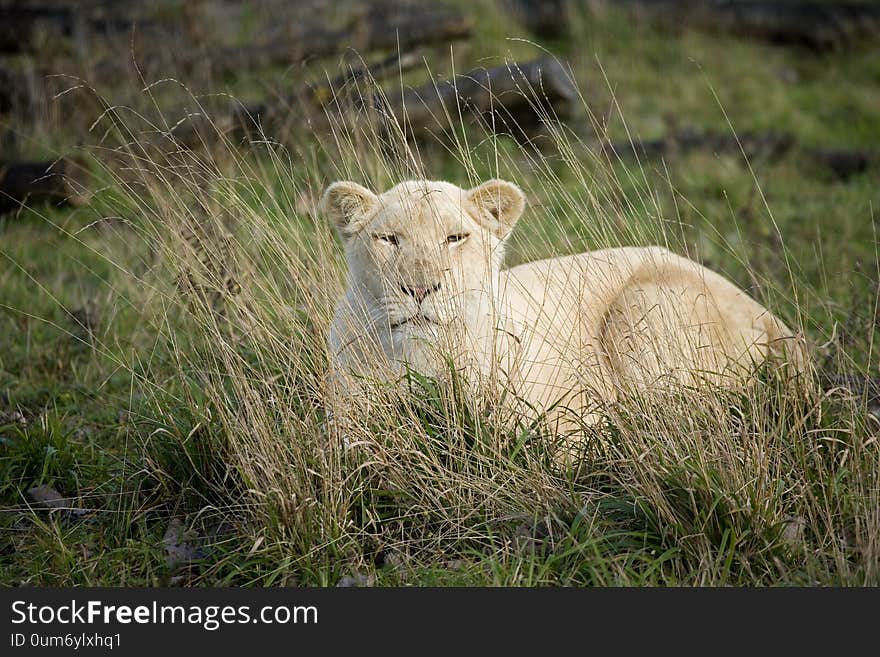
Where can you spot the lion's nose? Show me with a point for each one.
(420, 292)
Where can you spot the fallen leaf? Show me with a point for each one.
(178, 546)
(793, 530)
(46, 497)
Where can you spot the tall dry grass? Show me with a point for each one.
(776, 482)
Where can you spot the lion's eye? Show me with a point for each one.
(456, 238)
(390, 238)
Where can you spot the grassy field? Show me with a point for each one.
(162, 349)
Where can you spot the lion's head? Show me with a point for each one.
(421, 250)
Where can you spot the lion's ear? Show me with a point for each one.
(500, 203)
(348, 205)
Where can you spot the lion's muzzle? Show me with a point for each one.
(419, 292)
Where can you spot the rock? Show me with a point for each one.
(356, 580)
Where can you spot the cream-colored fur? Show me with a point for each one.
(426, 284)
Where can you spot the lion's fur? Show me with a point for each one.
(572, 331)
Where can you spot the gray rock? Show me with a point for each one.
(356, 580)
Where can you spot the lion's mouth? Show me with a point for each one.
(418, 320)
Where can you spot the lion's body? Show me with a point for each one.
(572, 332)
(598, 324)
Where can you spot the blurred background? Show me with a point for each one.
(693, 88)
(794, 77)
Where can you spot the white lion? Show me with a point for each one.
(426, 288)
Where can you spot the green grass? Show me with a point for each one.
(187, 401)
